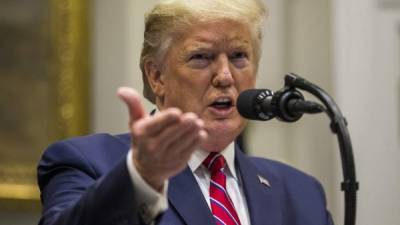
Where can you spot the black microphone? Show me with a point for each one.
(287, 105)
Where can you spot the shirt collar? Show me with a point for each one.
(200, 155)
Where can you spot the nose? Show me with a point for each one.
(222, 73)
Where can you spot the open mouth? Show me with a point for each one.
(222, 103)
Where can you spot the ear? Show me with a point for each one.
(154, 77)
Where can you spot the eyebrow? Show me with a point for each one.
(198, 45)
(239, 43)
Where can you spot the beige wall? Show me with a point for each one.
(117, 37)
(367, 80)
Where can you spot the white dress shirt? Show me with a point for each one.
(150, 202)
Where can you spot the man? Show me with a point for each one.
(181, 165)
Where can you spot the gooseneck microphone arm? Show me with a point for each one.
(288, 105)
(339, 127)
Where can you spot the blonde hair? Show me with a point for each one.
(169, 18)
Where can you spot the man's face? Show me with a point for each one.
(204, 72)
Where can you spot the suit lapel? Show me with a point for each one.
(186, 197)
(262, 192)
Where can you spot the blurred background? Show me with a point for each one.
(61, 62)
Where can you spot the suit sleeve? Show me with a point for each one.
(73, 194)
(329, 220)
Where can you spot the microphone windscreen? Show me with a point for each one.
(246, 104)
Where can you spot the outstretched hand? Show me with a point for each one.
(163, 143)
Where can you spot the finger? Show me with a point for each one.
(179, 152)
(191, 127)
(132, 100)
(189, 143)
(203, 136)
(189, 123)
(154, 125)
(192, 139)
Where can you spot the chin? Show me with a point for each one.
(221, 133)
(214, 146)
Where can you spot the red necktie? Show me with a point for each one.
(221, 205)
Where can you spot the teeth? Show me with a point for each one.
(223, 100)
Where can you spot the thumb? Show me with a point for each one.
(132, 100)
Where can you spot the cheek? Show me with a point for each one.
(193, 83)
(185, 93)
(246, 81)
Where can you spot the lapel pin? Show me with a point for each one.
(264, 181)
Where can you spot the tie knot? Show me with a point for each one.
(214, 162)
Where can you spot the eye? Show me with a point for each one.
(200, 60)
(239, 55)
(239, 58)
(200, 56)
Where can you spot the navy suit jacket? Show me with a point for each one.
(85, 181)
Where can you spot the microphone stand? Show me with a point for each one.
(339, 127)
